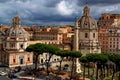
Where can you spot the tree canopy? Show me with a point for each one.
(36, 48)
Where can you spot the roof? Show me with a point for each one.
(87, 21)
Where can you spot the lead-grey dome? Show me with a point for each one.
(16, 29)
(86, 21)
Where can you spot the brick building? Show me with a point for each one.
(109, 32)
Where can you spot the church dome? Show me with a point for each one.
(86, 21)
(19, 31)
(16, 29)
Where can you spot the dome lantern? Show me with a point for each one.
(86, 11)
(87, 21)
(16, 20)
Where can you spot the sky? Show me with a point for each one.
(53, 12)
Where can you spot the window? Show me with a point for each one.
(114, 39)
(41, 60)
(20, 32)
(104, 24)
(21, 61)
(117, 46)
(57, 59)
(13, 33)
(93, 35)
(110, 39)
(14, 60)
(117, 42)
(117, 39)
(28, 59)
(54, 59)
(86, 35)
(110, 46)
(113, 46)
(12, 45)
(21, 46)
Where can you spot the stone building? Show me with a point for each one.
(14, 44)
(109, 33)
(87, 32)
(109, 39)
(107, 20)
(59, 36)
(103, 40)
(85, 36)
(113, 40)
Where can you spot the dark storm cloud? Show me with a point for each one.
(51, 17)
(53, 11)
(107, 2)
(3, 1)
(97, 2)
(51, 3)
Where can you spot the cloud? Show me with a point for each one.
(96, 11)
(66, 8)
(53, 12)
(102, 2)
(112, 8)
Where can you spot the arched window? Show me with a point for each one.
(93, 35)
(86, 35)
(41, 60)
(21, 46)
(28, 59)
(14, 60)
